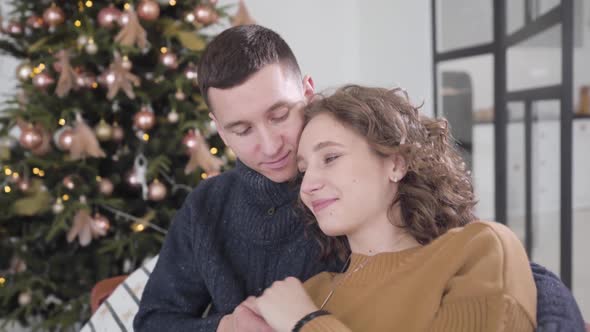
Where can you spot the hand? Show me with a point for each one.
(284, 303)
(243, 319)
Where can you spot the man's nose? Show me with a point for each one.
(271, 142)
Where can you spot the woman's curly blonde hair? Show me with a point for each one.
(436, 193)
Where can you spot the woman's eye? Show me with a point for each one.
(331, 158)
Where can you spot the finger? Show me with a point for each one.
(251, 304)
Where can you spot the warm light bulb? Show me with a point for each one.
(41, 173)
(2, 281)
(163, 50)
(62, 122)
(88, 3)
(7, 189)
(35, 170)
(77, 23)
(7, 171)
(146, 137)
(172, 2)
(214, 150)
(65, 197)
(204, 176)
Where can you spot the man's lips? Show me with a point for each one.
(279, 163)
(320, 204)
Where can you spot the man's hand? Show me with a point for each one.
(243, 319)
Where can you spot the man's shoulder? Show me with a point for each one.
(215, 187)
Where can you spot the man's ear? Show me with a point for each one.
(308, 87)
(219, 127)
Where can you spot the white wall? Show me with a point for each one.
(378, 43)
(7, 64)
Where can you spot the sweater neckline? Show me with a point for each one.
(265, 191)
(365, 269)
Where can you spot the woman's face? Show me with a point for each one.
(346, 184)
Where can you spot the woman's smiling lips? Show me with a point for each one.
(320, 204)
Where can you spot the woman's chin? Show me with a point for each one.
(332, 231)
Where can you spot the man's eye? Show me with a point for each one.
(281, 118)
(244, 132)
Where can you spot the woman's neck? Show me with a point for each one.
(381, 235)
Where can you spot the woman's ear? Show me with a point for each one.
(397, 168)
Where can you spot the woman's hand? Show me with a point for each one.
(284, 303)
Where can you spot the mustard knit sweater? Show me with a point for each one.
(473, 278)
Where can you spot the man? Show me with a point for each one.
(237, 233)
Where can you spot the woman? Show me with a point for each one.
(386, 186)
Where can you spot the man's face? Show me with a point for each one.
(261, 120)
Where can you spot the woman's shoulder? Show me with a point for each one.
(494, 234)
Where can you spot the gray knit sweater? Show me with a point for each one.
(235, 234)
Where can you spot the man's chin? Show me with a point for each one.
(279, 176)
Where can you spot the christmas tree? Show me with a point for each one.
(105, 138)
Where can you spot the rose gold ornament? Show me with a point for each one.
(68, 182)
(173, 116)
(100, 223)
(65, 137)
(144, 119)
(205, 15)
(57, 207)
(35, 22)
(179, 95)
(191, 74)
(91, 47)
(103, 131)
(148, 10)
(157, 191)
(126, 63)
(118, 133)
(43, 80)
(85, 79)
(169, 60)
(14, 28)
(30, 138)
(24, 298)
(106, 187)
(23, 184)
(108, 17)
(54, 16)
(23, 71)
(131, 179)
(124, 18)
(190, 140)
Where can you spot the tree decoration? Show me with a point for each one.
(54, 16)
(242, 16)
(148, 10)
(84, 143)
(108, 17)
(200, 156)
(120, 79)
(67, 77)
(132, 32)
(85, 228)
